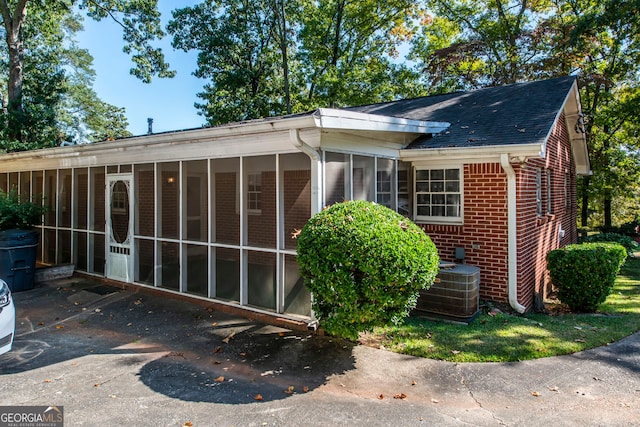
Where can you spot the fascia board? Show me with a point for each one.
(493, 153)
(329, 118)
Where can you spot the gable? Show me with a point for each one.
(515, 119)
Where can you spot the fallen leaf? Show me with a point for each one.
(187, 424)
(96, 385)
(380, 396)
(47, 381)
(40, 323)
(435, 401)
(290, 389)
(535, 393)
(554, 388)
(59, 327)
(305, 389)
(220, 379)
(400, 396)
(280, 334)
(214, 324)
(258, 397)
(414, 382)
(228, 338)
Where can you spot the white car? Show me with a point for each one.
(7, 318)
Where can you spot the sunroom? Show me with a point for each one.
(210, 212)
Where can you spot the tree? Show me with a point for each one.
(271, 57)
(468, 44)
(604, 37)
(238, 53)
(347, 51)
(141, 25)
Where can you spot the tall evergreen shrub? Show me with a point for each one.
(364, 265)
(584, 274)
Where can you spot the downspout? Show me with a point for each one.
(512, 234)
(316, 191)
(316, 170)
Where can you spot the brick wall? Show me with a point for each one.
(145, 200)
(297, 203)
(227, 224)
(261, 227)
(538, 234)
(484, 233)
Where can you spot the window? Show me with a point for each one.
(254, 191)
(439, 194)
(119, 198)
(549, 206)
(383, 193)
(539, 192)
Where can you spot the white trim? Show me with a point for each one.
(328, 118)
(471, 155)
(428, 219)
(512, 227)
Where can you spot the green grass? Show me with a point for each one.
(505, 337)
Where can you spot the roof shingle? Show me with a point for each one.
(522, 113)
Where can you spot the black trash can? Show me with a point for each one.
(18, 258)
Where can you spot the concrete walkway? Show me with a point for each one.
(118, 358)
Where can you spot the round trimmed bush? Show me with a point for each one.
(364, 265)
(584, 274)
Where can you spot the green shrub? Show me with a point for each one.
(364, 265)
(18, 213)
(584, 274)
(629, 244)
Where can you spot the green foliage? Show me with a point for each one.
(273, 57)
(584, 274)
(627, 242)
(48, 97)
(364, 265)
(16, 212)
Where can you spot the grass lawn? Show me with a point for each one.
(504, 337)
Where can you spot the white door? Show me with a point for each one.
(120, 227)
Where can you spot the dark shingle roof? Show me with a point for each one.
(522, 113)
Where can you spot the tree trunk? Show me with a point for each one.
(584, 212)
(13, 35)
(607, 209)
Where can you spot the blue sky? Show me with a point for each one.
(168, 101)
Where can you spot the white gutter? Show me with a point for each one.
(316, 170)
(512, 234)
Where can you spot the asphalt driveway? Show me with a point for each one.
(114, 357)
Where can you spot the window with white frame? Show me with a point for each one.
(438, 194)
(383, 189)
(539, 192)
(549, 206)
(254, 192)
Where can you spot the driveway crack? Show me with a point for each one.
(478, 403)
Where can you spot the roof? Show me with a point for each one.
(522, 113)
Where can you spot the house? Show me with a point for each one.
(208, 213)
